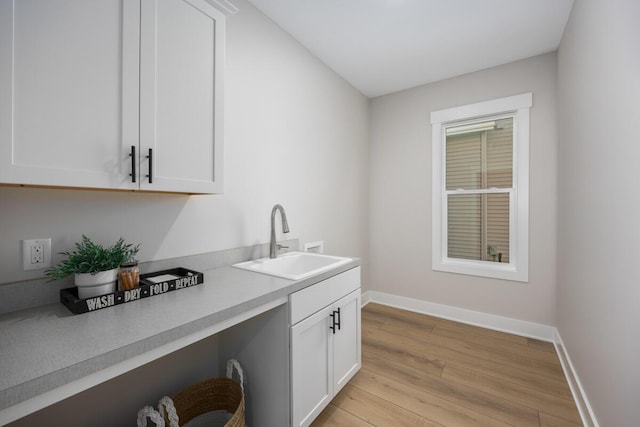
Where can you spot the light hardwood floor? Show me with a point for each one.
(419, 370)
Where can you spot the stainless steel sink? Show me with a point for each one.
(294, 265)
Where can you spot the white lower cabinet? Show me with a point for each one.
(296, 357)
(325, 343)
(346, 341)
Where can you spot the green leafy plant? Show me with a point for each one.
(89, 257)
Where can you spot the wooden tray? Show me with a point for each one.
(151, 284)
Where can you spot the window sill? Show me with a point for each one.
(481, 268)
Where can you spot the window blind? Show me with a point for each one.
(479, 161)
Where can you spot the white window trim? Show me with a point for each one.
(518, 267)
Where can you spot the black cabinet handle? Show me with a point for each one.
(133, 163)
(150, 157)
(335, 320)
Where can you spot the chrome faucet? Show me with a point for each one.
(285, 229)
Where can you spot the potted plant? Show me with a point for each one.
(95, 267)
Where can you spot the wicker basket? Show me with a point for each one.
(216, 394)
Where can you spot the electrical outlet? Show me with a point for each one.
(36, 254)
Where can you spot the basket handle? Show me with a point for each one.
(233, 363)
(152, 414)
(166, 405)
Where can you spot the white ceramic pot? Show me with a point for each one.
(93, 284)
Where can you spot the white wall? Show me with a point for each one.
(400, 201)
(599, 204)
(296, 134)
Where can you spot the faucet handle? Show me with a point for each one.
(282, 246)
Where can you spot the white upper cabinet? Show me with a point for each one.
(68, 92)
(83, 85)
(181, 95)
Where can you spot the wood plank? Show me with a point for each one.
(429, 405)
(482, 332)
(500, 345)
(453, 352)
(541, 400)
(444, 323)
(492, 406)
(547, 420)
(541, 345)
(371, 319)
(377, 411)
(430, 365)
(408, 356)
(375, 361)
(537, 367)
(417, 320)
(333, 416)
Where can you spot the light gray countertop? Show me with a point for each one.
(48, 347)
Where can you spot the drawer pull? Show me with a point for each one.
(335, 320)
(150, 157)
(133, 163)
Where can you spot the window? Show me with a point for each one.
(481, 188)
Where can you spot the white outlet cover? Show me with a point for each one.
(26, 254)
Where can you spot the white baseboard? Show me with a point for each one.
(497, 323)
(366, 297)
(476, 318)
(579, 396)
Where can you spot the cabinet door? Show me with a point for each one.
(68, 92)
(346, 340)
(311, 360)
(181, 66)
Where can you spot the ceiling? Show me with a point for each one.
(383, 46)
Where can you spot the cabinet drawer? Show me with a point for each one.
(309, 300)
